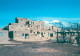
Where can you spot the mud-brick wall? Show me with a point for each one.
(3, 36)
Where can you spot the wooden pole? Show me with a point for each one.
(57, 35)
(78, 34)
(70, 38)
(63, 36)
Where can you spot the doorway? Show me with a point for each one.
(51, 34)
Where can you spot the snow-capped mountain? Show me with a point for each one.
(61, 24)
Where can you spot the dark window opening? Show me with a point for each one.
(38, 32)
(48, 33)
(16, 20)
(28, 26)
(51, 34)
(12, 27)
(49, 28)
(11, 35)
(33, 22)
(21, 20)
(26, 35)
(27, 22)
(21, 26)
(34, 32)
(31, 31)
(42, 34)
(52, 27)
(23, 35)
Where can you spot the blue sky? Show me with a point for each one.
(67, 10)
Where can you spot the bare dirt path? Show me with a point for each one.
(44, 48)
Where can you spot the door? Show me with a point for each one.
(51, 34)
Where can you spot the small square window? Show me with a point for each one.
(21, 26)
(34, 32)
(21, 20)
(12, 27)
(2, 34)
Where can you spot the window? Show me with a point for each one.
(34, 32)
(33, 22)
(23, 35)
(2, 34)
(38, 32)
(51, 34)
(52, 27)
(30, 31)
(21, 20)
(48, 33)
(12, 27)
(16, 20)
(42, 34)
(27, 22)
(26, 35)
(28, 26)
(21, 26)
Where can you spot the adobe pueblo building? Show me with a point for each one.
(3, 36)
(24, 29)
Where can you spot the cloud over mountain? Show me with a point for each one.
(59, 22)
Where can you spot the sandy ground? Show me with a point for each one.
(39, 48)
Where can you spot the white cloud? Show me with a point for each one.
(55, 21)
(46, 22)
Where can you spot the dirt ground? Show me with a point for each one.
(39, 48)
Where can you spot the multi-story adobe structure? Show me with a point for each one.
(3, 36)
(23, 29)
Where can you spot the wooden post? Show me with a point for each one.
(63, 36)
(57, 35)
(78, 34)
(70, 38)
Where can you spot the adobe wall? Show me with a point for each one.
(3, 36)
